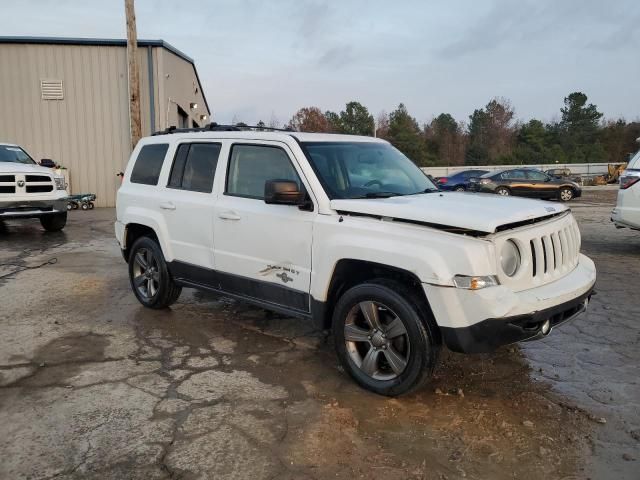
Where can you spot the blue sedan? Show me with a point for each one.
(459, 181)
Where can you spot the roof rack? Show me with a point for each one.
(214, 127)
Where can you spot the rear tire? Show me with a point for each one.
(459, 189)
(504, 191)
(566, 194)
(398, 355)
(149, 275)
(54, 222)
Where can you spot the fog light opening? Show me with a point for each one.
(546, 327)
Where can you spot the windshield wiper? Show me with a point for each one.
(382, 194)
(426, 190)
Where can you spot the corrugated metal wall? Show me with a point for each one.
(179, 89)
(88, 131)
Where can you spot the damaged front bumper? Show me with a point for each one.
(481, 321)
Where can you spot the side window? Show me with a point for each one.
(250, 166)
(514, 175)
(194, 167)
(536, 176)
(149, 163)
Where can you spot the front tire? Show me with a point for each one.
(385, 339)
(504, 191)
(149, 276)
(54, 222)
(566, 194)
(459, 189)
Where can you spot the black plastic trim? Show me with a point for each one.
(487, 335)
(265, 294)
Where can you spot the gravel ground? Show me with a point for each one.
(92, 385)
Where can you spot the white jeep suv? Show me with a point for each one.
(347, 232)
(28, 190)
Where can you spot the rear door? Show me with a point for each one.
(262, 250)
(188, 200)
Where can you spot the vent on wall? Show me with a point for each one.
(51, 90)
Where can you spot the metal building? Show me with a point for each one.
(67, 99)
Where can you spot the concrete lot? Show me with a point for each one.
(95, 386)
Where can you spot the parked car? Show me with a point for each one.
(627, 210)
(459, 181)
(526, 182)
(28, 190)
(394, 267)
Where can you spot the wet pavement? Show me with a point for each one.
(92, 385)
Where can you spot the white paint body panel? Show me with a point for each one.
(481, 212)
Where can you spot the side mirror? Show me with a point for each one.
(47, 162)
(283, 192)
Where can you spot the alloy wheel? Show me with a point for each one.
(376, 340)
(503, 191)
(566, 194)
(146, 275)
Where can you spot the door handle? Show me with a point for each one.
(229, 216)
(167, 206)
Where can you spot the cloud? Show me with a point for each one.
(337, 57)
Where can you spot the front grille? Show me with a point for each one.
(39, 188)
(555, 252)
(7, 178)
(7, 189)
(549, 250)
(37, 178)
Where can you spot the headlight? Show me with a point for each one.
(510, 258)
(475, 283)
(485, 181)
(60, 185)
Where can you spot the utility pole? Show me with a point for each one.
(134, 74)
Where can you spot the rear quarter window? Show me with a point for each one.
(149, 163)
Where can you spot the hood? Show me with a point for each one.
(12, 167)
(469, 211)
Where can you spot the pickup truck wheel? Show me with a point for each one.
(54, 222)
(383, 338)
(150, 279)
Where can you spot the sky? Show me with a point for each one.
(264, 59)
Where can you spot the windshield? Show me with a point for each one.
(635, 161)
(15, 155)
(365, 170)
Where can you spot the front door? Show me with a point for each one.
(262, 250)
(541, 184)
(518, 182)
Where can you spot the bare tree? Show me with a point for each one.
(274, 122)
